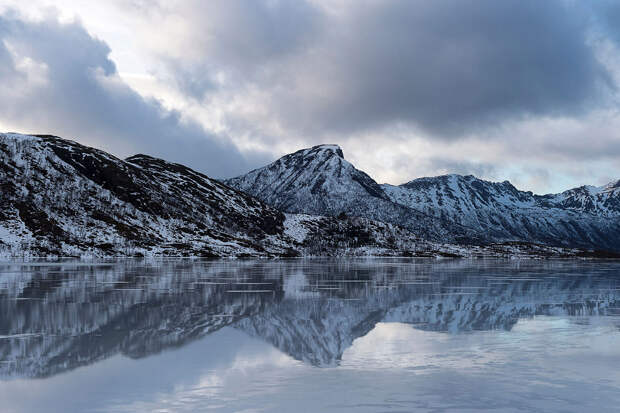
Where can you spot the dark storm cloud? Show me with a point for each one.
(446, 66)
(451, 65)
(81, 96)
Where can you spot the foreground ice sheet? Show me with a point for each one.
(310, 335)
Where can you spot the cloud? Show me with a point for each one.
(63, 82)
(518, 89)
(453, 66)
(445, 67)
(220, 44)
(461, 167)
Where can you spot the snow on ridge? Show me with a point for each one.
(327, 148)
(331, 147)
(18, 136)
(455, 178)
(188, 212)
(611, 186)
(447, 207)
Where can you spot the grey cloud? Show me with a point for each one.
(245, 39)
(448, 67)
(594, 147)
(84, 98)
(442, 166)
(261, 31)
(451, 67)
(435, 70)
(6, 64)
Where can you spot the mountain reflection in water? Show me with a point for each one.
(55, 317)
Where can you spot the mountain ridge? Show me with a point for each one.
(317, 181)
(61, 198)
(452, 208)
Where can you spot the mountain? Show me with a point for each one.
(317, 180)
(320, 181)
(60, 198)
(583, 217)
(450, 208)
(602, 200)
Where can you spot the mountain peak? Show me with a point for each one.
(317, 180)
(326, 148)
(612, 185)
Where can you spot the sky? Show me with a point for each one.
(518, 90)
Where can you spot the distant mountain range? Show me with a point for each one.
(449, 208)
(60, 198)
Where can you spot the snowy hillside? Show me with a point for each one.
(60, 198)
(320, 181)
(319, 178)
(601, 200)
(580, 217)
(450, 208)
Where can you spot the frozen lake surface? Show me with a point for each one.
(363, 335)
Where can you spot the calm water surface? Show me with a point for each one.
(373, 335)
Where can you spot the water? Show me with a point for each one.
(371, 335)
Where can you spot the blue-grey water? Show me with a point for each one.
(364, 335)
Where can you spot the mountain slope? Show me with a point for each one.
(320, 181)
(602, 200)
(319, 178)
(580, 217)
(62, 197)
(449, 208)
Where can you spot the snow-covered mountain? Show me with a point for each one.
(62, 198)
(451, 208)
(601, 200)
(320, 181)
(314, 180)
(583, 217)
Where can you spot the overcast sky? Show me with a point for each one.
(513, 89)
